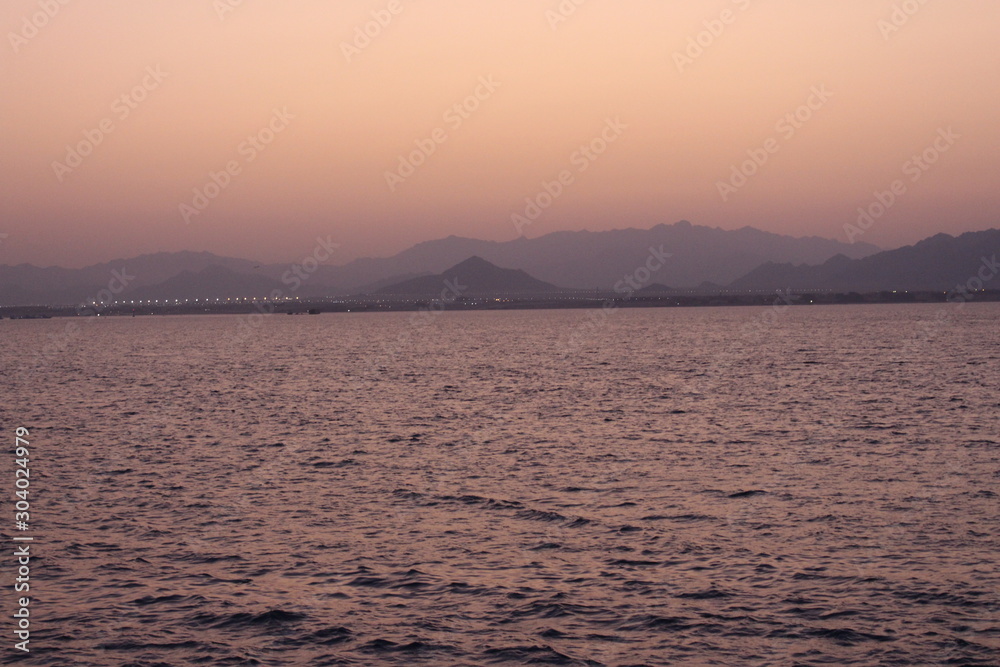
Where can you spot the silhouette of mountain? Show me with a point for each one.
(26, 284)
(212, 282)
(655, 288)
(473, 277)
(701, 258)
(588, 260)
(938, 263)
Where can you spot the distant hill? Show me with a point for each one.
(589, 260)
(26, 284)
(212, 282)
(701, 258)
(473, 277)
(656, 288)
(938, 263)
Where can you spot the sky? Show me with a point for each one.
(251, 128)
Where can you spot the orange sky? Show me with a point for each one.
(200, 80)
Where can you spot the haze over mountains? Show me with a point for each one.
(939, 263)
(700, 257)
(589, 260)
(473, 277)
(573, 260)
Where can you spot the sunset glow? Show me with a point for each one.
(303, 111)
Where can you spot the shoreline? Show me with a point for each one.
(399, 304)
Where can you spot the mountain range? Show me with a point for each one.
(574, 260)
(598, 260)
(941, 262)
(701, 259)
(473, 277)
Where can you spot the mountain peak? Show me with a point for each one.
(476, 276)
(938, 263)
(571, 260)
(474, 262)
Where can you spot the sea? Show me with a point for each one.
(786, 486)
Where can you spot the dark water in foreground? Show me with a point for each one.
(668, 487)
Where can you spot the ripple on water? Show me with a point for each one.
(485, 501)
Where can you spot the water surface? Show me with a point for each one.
(737, 486)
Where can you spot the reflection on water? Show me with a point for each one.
(675, 488)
